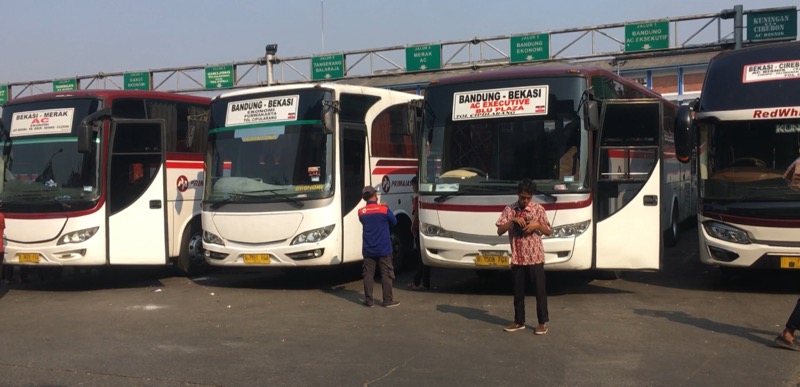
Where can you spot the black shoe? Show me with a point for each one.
(391, 304)
(368, 304)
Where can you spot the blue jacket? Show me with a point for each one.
(376, 220)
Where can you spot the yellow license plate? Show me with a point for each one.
(28, 257)
(491, 260)
(790, 262)
(257, 259)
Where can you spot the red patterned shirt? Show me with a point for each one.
(525, 249)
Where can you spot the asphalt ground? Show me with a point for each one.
(686, 325)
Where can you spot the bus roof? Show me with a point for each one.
(542, 71)
(110, 94)
(340, 87)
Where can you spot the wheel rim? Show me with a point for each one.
(196, 248)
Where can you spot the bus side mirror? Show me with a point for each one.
(684, 133)
(594, 115)
(85, 137)
(414, 121)
(329, 109)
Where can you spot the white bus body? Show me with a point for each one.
(286, 165)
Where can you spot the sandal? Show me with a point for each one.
(781, 342)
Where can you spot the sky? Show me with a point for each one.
(48, 39)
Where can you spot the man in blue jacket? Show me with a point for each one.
(376, 218)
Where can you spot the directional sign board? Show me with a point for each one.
(772, 25)
(529, 48)
(65, 84)
(647, 36)
(327, 67)
(424, 58)
(137, 81)
(3, 94)
(219, 77)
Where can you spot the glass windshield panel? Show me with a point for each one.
(42, 169)
(505, 131)
(750, 160)
(285, 155)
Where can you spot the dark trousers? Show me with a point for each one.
(387, 275)
(794, 318)
(423, 274)
(534, 273)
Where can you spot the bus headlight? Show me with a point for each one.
(568, 230)
(726, 233)
(313, 236)
(212, 239)
(431, 230)
(77, 236)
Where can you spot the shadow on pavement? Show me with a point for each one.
(290, 279)
(754, 335)
(97, 278)
(473, 314)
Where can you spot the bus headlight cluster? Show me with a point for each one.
(568, 230)
(77, 236)
(726, 233)
(431, 230)
(212, 238)
(313, 236)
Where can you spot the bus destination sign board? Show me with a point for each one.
(424, 58)
(772, 25)
(219, 77)
(327, 67)
(3, 94)
(647, 36)
(136, 81)
(70, 84)
(529, 48)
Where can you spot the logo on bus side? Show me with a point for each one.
(387, 184)
(184, 183)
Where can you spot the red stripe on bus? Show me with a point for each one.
(394, 171)
(499, 207)
(184, 164)
(743, 220)
(405, 163)
(186, 156)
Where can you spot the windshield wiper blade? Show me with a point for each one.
(296, 202)
(61, 201)
(462, 191)
(221, 202)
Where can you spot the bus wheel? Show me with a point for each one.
(191, 260)
(671, 233)
(399, 250)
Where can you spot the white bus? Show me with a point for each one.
(745, 130)
(598, 146)
(103, 177)
(286, 166)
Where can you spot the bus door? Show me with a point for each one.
(627, 203)
(136, 200)
(353, 170)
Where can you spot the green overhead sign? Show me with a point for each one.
(65, 84)
(219, 77)
(647, 36)
(3, 94)
(136, 81)
(327, 67)
(772, 25)
(529, 48)
(422, 58)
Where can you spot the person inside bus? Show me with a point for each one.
(526, 222)
(272, 170)
(792, 175)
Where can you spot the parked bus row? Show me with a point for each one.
(271, 176)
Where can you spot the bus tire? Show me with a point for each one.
(671, 233)
(191, 261)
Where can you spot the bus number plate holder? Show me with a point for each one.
(257, 259)
(790, 262)
(28, 257)
(492, 258)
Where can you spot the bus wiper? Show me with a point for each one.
(464, 190)
(60, 200)
(550, 197)
(296, 202)
(219, 203)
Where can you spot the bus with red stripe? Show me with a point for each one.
(286, 166)
(744, 135)
(598, 146)
(103, 177)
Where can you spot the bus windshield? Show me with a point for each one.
(42, 169)
(747, 160)
(259, 154)
(534, 130)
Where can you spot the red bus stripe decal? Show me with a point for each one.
(394, 171)
(184, 164)
(499, 207)
(405, 163)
